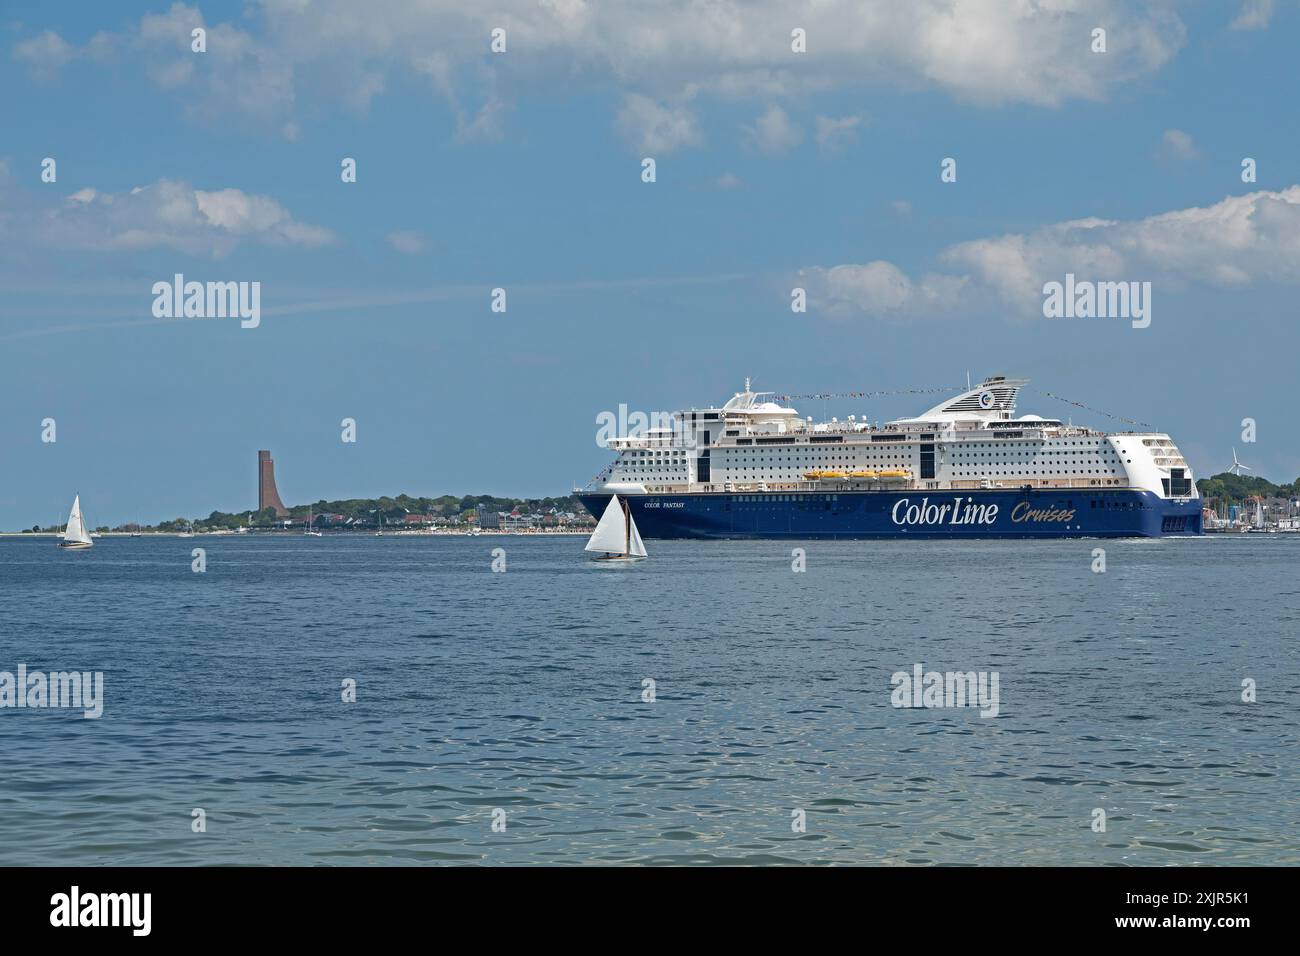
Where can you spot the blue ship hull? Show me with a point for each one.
(998, 513)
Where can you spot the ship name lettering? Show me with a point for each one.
(960, 511)
(1025, 512)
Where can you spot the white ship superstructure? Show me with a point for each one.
(974, 441)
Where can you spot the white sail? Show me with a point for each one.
(638, 548)
(76, 530)
(610, 535)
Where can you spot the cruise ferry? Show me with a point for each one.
(969, 467)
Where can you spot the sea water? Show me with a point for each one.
(363, 700)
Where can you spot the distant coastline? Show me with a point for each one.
(1224, 494)
(290, 533)
(402, 514)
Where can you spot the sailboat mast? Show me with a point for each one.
(627, 528)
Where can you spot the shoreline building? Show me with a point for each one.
(267, 495)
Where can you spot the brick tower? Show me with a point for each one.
(267, 496)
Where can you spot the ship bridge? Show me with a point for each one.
(753, 408)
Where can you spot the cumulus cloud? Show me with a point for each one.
(881, 289)
(1254, 15)
(655, 129)
(406, 241)
(832, 131)
(45, 54)
(1177, 144)
(982, 51)
(166, 214)
(774, 132)
(486, 124)
(1235, 242)
(238, 74)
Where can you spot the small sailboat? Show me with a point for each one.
(75, 536)
(311, 532)
(616, 536)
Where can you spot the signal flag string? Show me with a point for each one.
(817, 396)
(1095, 411)
(892, 391)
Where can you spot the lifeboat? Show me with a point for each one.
(823, 475)
(869, 475)
(895, 473)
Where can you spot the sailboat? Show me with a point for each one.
(311, 532)
(616, 536)
(75, 536)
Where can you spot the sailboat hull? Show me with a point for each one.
(75, 545)
(618, 558)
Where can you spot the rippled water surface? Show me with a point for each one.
(522, 691)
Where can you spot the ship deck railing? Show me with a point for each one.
(887, 484)
(801, 433)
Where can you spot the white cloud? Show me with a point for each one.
(407, 242)
(45, 54)
(774, 132)
(728, 181)
(1235, 242)
(486, 124)
(165, 214)
(982, 51)
(1254, 15)
(832, 131)
(1178, 144)
(238, 74)
(882, 289)
(654, 129)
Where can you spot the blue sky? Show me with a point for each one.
(522, 170)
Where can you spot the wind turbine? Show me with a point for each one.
(1238, 467)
